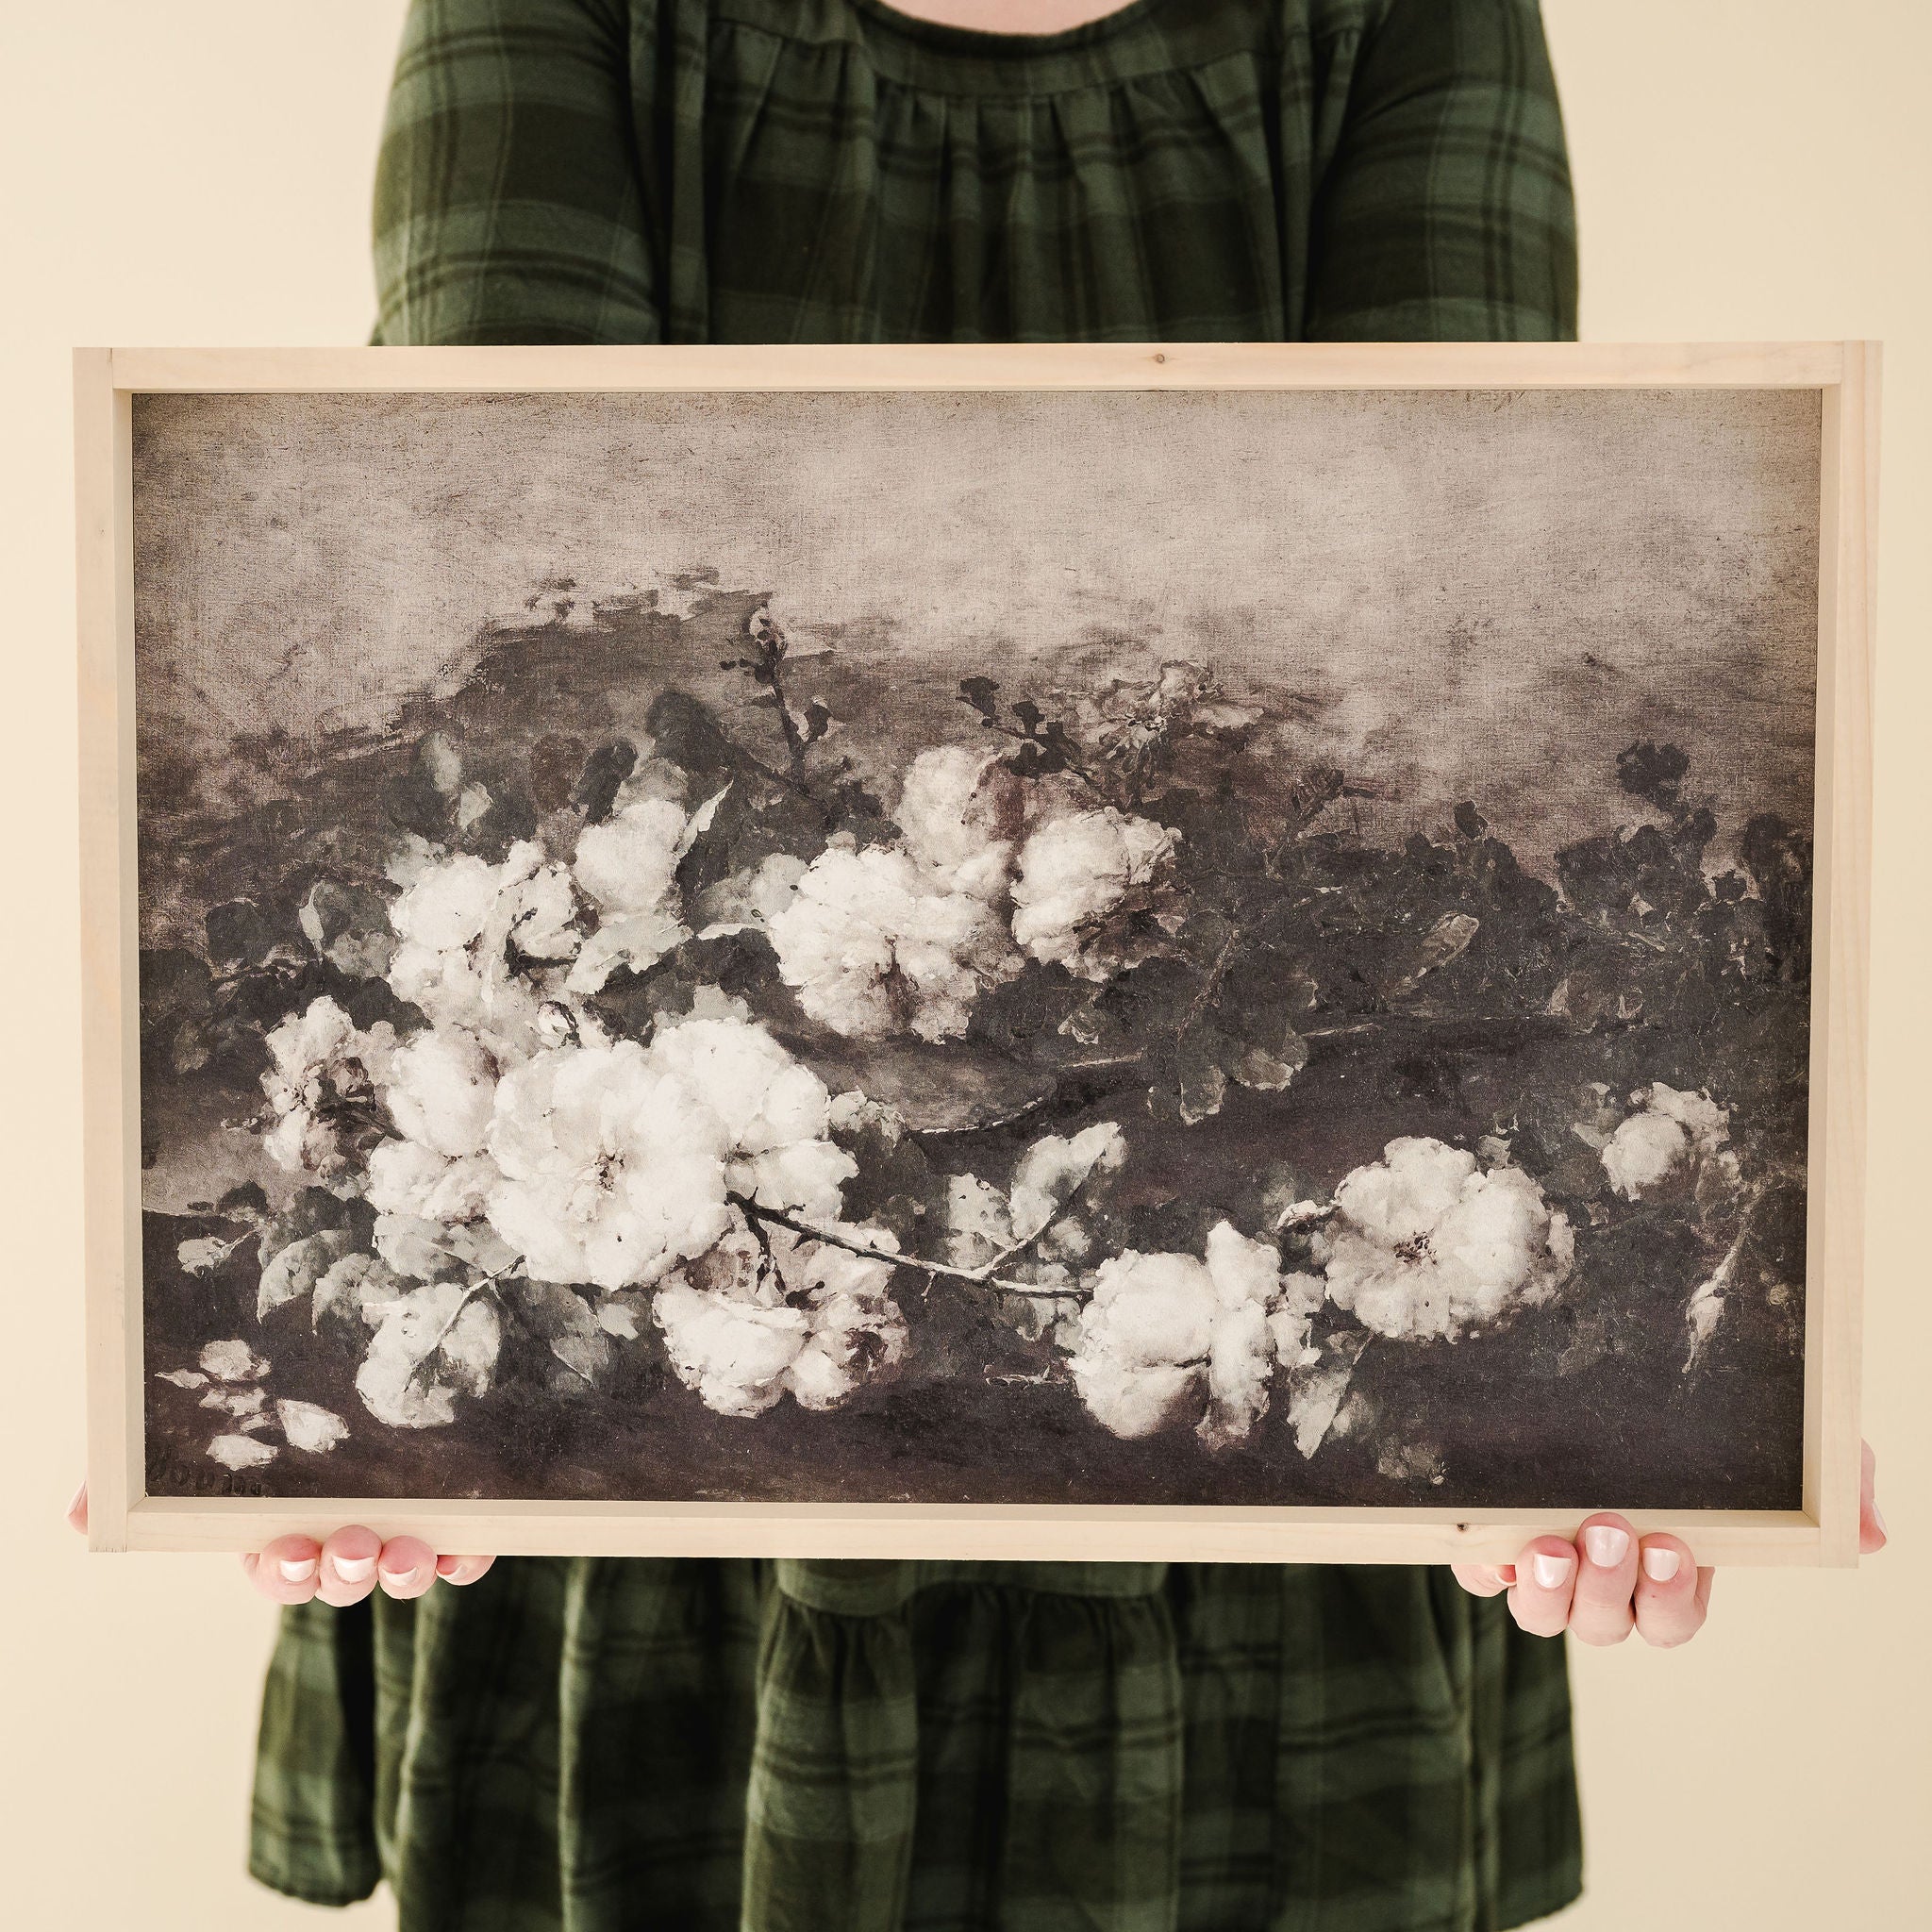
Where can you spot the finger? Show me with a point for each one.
(406, 1568)
(461, 1570)
(1669, 1605)
(287, 1571)
(1871, 1536)
(1484, 1579)
(1545, 1575)
(76, 1510)
(1600, 1613)
(348, 1566)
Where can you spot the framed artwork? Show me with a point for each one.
(1116, 952)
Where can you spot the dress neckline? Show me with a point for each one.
(944, 37)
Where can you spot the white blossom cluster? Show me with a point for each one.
(757, 1318)
(881, 939)
(1170, 1336)
(518, 1155)
(1670, 1137)
(1426, 1244)
(513, 1137)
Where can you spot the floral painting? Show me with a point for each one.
(1165, 947)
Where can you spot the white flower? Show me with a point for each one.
(743, 1328)
(873, 947)
(628, 863)
(461, 920)
(1670, 1134)
(627, 868)
(734, 1351)
(440, 1090)
(1075, 873)
(612, 1171)
(1425, 1244)
(775, 1111)
(406, 1178)
(323, 1066)
(447, 904)
(960, 812)
(1169, 1334)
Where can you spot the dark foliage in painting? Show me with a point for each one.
(678, 1098)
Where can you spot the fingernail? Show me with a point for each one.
(354, 1568)
(79, 1493)
(448, 1566)
(1661, 1565)
(1606, 1546)
(1550, 1571)
(1878, 1522)
(399, 1575)
(295, 1571)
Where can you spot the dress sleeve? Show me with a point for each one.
(508, 203)
(1446, 213)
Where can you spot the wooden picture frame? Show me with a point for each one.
(1823, 1530)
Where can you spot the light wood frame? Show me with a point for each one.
(1823, 1531)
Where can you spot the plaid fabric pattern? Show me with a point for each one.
(827, 171)
(597, 1746)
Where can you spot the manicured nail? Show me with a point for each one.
(354, 1568)
(1550, 1571)
(1661, 1565)
(295, 1571)
(399, 1576)
(1878, 1522)
(82, 1490)
(1606, 1544)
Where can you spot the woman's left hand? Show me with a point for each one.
(1610, 1581)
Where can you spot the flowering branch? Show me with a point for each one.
(832, 1238)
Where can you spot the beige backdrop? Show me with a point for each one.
(199, 172)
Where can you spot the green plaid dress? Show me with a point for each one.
(593, 1747)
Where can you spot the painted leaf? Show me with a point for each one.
(235, 1401)
(1200, 1059)
(934, 1089)
(233, 1361)
(241, 1452)
(309, 1426)
(563, 1319)
(415, 1247)
(352, 1295)
(183, 1379)
(203, 1254)
(1315, 1393)
(297, 1268)
(481, 1246)
(1054, 1170)
(699, 823)
(435, 1342)
(1268, 1070)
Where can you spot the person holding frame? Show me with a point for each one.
(578, 1743)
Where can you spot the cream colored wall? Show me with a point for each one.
(199, 172)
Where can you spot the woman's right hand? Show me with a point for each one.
(341, 1571)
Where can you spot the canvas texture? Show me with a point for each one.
(597, 1745)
